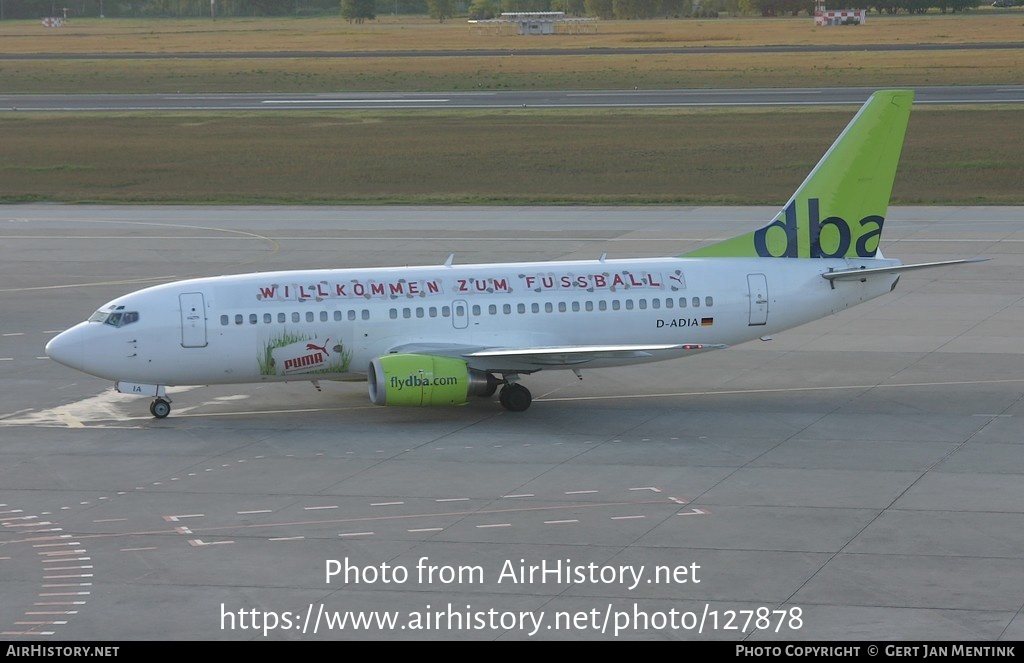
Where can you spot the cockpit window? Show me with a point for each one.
(115, 316)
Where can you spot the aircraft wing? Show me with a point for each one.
(861, 274)
(527, 359)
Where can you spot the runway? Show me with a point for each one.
(406, 101)
(856, 478)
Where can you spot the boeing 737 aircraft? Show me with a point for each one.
(439, 335)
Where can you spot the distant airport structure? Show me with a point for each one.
(535, 23)
(824, 16)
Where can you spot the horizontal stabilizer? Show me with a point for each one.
(859, 274)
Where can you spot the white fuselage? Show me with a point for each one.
(329, 324)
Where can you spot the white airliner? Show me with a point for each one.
(439, 335)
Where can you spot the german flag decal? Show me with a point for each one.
(707, 322)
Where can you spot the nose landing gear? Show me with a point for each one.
(160, 408)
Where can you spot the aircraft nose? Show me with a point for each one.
(68, 347)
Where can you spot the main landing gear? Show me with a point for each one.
(160, 408)
(514, 397)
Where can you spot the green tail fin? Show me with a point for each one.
(839, 209)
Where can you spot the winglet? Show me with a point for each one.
(839, 209)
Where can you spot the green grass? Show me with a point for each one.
(518, 70)
(952, 156)
(521, 72)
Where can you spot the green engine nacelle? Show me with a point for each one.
(422, 380)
